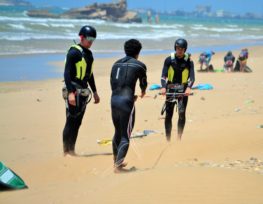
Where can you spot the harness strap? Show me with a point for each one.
(80, 92)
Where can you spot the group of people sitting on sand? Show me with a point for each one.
(229, 61)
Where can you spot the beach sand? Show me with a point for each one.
(218, 160)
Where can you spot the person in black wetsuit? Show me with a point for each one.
(78, 75)
(178, 71)
(124, 75)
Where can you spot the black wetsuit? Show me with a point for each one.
(178, 65)
(75, 114)
(124, 75)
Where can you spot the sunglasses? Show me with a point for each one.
(91, 39)
(179, 48)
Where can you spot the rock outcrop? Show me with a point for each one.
(116, 12)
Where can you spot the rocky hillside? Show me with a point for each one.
(116, 12)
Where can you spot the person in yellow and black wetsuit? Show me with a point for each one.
(178, 73)
(78, 76)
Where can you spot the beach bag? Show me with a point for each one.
(9, 179)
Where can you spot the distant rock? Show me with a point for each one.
(116, 12)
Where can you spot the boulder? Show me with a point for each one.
(116, 12)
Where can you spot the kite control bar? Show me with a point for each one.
(176, 94)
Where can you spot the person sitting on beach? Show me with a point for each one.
(242, 60)
(178, 71)
(204, 59)
(77, 75)
(124, 75)
(229, 60)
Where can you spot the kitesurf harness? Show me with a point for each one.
(80, 92)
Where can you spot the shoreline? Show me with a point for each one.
(102, 53)
(34, 67)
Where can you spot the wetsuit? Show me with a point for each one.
(177, 72)
(77, 75)
(124, 75)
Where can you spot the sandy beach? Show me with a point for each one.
(219, 160)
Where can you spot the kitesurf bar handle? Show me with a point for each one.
(176, 94)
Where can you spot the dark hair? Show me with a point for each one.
(132, 47)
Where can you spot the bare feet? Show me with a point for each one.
(70, 153)
(119, 170)
(168, 137)
(123, 164)
(179, 137)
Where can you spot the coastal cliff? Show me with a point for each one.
(116, 12)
